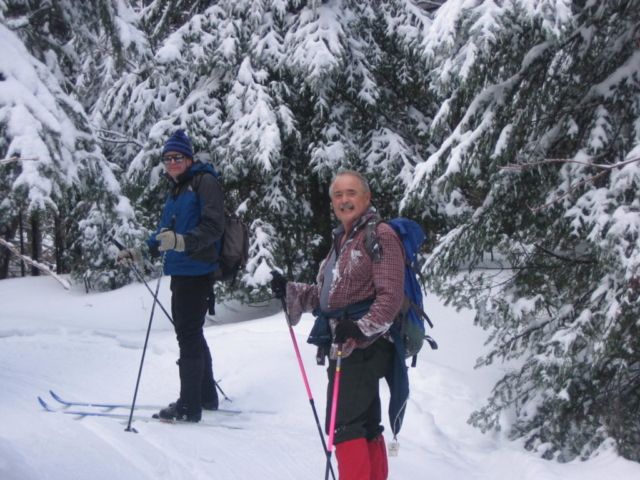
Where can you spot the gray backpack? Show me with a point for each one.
(234, 248)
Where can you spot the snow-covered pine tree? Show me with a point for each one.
(547, 252)
(70, 194)
(160, 18)
(179, 83)
(359, 100)
(279, 96)
(111, 46)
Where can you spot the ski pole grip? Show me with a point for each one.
(117, 244)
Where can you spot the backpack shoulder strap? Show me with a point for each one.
(197, 178)
(371, 243)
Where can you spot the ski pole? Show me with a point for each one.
(306, 381)
(334, 409)
(144, 351)
(141, 278)
(146, 339)
(221, 391)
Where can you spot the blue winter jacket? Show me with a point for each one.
(194, 209)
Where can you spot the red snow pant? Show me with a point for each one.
(360, 448)
(362, 460)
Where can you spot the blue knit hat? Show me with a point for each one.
(178, 142)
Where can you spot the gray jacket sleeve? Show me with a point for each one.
(199, 243)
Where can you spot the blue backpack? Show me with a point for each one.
(408, 330)
(410, 321)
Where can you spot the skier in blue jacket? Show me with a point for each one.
(189, 234)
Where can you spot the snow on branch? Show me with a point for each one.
(605, 169)
(16, 159)
(38, 265)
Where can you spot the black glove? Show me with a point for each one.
(347, 329)
(278, 284)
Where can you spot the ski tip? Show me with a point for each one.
(55, 397)
(44, 405)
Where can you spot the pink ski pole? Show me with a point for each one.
(334, 409)
(306, 384)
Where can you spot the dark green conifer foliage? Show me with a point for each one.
(547, 251)
(69, 196)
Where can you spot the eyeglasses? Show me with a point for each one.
(179, 158)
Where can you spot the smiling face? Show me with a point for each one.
(174, 168)
(349, 199)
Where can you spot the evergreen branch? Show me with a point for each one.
(502, 269)
(38, 265)
(486, 287)
(98, 45)
(25, 20)
(552, 318)
(563, 111)
(430, 5)
(16, 159)
(560, 257)
(571, 190)
(528, 332)
(405, 135)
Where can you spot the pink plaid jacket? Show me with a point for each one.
(356, 278)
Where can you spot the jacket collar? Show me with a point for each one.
(371, 211)
(338, 232)
(196, 168)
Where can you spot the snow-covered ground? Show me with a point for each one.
(88, 347)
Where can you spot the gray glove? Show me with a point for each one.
(129, 256)
(170, 240)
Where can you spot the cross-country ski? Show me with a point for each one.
(112, 406)
(124, 416)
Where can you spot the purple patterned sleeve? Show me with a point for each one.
(388, 281)
(301, 298)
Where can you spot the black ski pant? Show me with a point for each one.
(358, 412)
(189, 295)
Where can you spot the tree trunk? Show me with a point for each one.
(36, 242)
(59, 243)
(8, 231)
(5, 257)
(22, 265)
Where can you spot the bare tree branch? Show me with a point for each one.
(524, 166)
(16, 159)
(123, 138)
(38, 265)
(606, 169)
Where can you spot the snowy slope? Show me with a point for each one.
(88, 347)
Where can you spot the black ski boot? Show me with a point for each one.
(206, 404)
(180, 413)
(190, 388)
